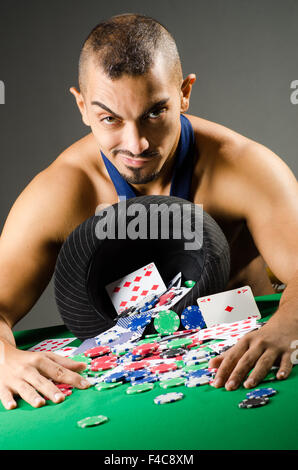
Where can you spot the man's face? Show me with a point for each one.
(135, 120)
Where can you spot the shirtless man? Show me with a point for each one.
(131, 95)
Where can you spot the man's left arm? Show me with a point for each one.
(270, 206)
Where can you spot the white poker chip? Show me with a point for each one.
(197, 381)
(168, 398)
(172, 375)
(106, 338)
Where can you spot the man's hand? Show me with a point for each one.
(27, 374)
(258, 350)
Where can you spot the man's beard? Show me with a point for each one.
(138, 178)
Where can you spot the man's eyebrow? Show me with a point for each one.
(155, 105)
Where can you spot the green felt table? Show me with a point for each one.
(206, 418)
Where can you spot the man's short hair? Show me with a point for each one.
(127, 44)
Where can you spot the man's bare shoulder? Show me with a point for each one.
(60, 197)
(214, 137)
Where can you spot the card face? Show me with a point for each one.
(228, 306)
(66, 352)
(51, 344)
(131, 289)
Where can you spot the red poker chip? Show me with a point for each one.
(104, 366)
(66, 391)
(153, 357)
(145, 349)
(137, 365)
(104, 359)
(184, 332)
(161, 368)
(97, 351)
(61, 385)
(195, 342)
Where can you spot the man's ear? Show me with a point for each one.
(186, 91)
(81, 104)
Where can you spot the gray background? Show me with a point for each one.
(243, 52)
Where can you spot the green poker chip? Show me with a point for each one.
(166, 322)
(179, 343)
(92, 421)
(100, 387)
(175, 382)
(189, 283)
(145, 387)
(195, 367)
(81, 358)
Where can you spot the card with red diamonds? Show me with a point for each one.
(228, 306)
(132, 288)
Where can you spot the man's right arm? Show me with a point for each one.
(29, 245)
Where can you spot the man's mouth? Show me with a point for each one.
(136, 162)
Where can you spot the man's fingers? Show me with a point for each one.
(44, 386)
(215, 362)
(261, 368)
(28, 394)
(285, 366)
(230, 359)
(67, 362)
(253, 358)
(61, 374)
(7, 399)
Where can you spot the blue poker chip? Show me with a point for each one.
(261, 392)
(148, 379)
(199, 373)
(115, 377)
(137, 374)
(191, 318)
(139, 321)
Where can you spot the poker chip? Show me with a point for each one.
(148, 379)
(161, 368)
(261, 392)
(115, 377)
(139, 388)
(175, 382)
(136, 365)
(189, 283)
(197, 381)
(106, 337)
(139, 321)
(136, 375)
(81, 358)
(269, 377)
(144, 349)
(169, 353)
(172, 375)
(191, 317)
(103, 366)
(254, 402)
(166, 322)
(199, 373)
(97, 351)
(92, 421)
(168, 398)
(179, 343)
(106, 386)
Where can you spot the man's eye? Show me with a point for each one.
(155, 114)
(109, 120)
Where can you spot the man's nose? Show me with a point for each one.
(134, 140)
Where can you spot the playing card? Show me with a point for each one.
(66, 352)
(228, 330)
(228, 306)
(132, 288)
(51, 344)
